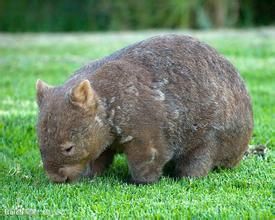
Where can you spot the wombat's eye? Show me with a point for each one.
(68, 148)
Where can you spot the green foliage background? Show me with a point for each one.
(92, 15)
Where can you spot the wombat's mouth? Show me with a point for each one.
(58, 179)
(67, 179)
(69, 174)
(73, 179)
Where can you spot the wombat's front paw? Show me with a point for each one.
(87, 172)
(97, 169)
(92, 170)
(98, 166)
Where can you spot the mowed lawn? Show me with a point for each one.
(243, 192)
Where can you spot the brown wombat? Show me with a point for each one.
(165, 99)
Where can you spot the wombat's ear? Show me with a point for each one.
(41, 88)
(83, 95)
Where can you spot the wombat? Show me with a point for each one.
(166, 99)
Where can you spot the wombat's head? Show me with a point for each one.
(71, 129)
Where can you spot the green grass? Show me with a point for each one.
(243, 192)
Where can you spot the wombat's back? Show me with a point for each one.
(201, 92)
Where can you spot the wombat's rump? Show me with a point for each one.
(166, 99)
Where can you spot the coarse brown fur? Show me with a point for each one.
(165, 99)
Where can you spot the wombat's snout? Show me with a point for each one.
(60, 177)
(66, 174)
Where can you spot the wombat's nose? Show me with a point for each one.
(57, 178)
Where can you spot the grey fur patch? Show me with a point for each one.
(153, 155)
(112, 99)
(159, 95)
(98, 120)
(126, 139)
(118, 130)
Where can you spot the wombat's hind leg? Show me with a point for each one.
(196, 164)
(146, 160)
